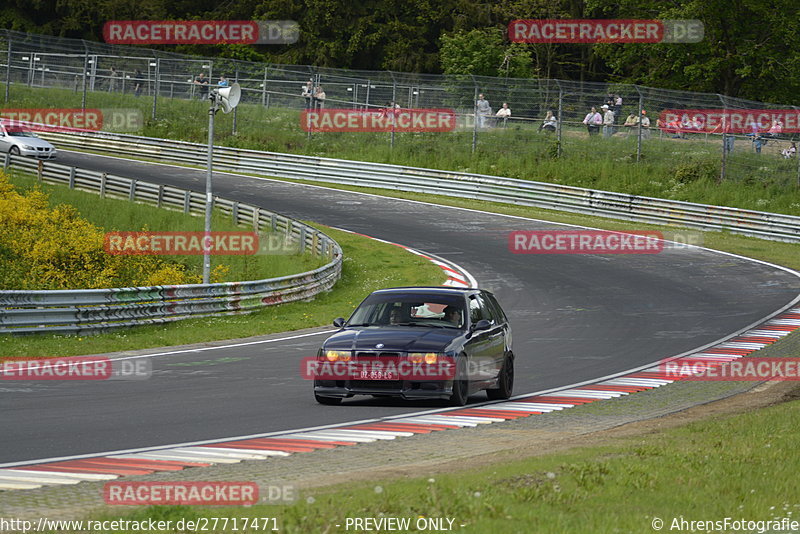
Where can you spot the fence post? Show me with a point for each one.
(157, 86)
(394, 104)
(797, 155)
(85, 67)
(560, 119)
(72, 177)
(724, 156)
(639, 129)
(235, 80)
(474, 116)
(264, 89)
(8, 70)
(39, 170)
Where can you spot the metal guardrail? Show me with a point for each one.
(76, 311)
(765, 225)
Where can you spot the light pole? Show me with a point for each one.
(226, 98)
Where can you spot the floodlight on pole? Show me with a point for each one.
(226, 98)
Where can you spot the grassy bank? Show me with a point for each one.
(112, 214)
(679, 169)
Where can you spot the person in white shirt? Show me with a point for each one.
(550, 123)
(593, 121)
(504, 113)
(608, 122)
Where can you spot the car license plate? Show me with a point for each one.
(378, 374)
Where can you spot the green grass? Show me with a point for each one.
(112, 214)
(737, 466)
(670, 168)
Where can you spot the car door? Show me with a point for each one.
(496, 335)
(483, 366)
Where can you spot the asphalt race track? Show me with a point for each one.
(575, 317)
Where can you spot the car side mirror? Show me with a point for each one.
(338, 322)
(483, 324)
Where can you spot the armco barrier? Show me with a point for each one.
(77, 311)
(464, 185)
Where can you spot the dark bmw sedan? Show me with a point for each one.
(419, 343)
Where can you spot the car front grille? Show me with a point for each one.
(378, 354)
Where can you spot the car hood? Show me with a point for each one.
(394, 339)
(30, 141)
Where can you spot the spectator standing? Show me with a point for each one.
(202, 81)
(113, 76)
(550, 123)
(504, 113)
(645, 122)
(483, 110)
(593, 121)
(308, 93)
(137, 82)
(319, 97)
(608, 121)
(617, 109)
(631, 122)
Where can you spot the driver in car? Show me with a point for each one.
(452, 315)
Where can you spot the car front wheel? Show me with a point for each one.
(460, 384)
(14, 151)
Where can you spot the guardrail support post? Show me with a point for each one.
(302, 237)
(160, 196)
(256, 218)
(72, 177)
(187, 202)
(39, 169)
(7, 161)
(103, 185)
(314, 243)
(132, 191)
(274, 222)
(235, 213)
(8, 71)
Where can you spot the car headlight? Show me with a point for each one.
(419, 357)
(337, 355)
(28, 147)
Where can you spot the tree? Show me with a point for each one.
(483, 52)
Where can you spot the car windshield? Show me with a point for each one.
(409, 309)
(21, 133)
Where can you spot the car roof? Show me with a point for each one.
(429, 289)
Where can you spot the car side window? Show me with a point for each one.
(479, 310)
(496, 309)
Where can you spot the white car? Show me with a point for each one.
(18, 140)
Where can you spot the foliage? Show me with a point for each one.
(751, 48)
(483, 53)
(43, 247)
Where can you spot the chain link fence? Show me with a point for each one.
(97, 75)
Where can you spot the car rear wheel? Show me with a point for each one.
(328, 401)
(14, 151)
(505, 381)
(460, 386)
